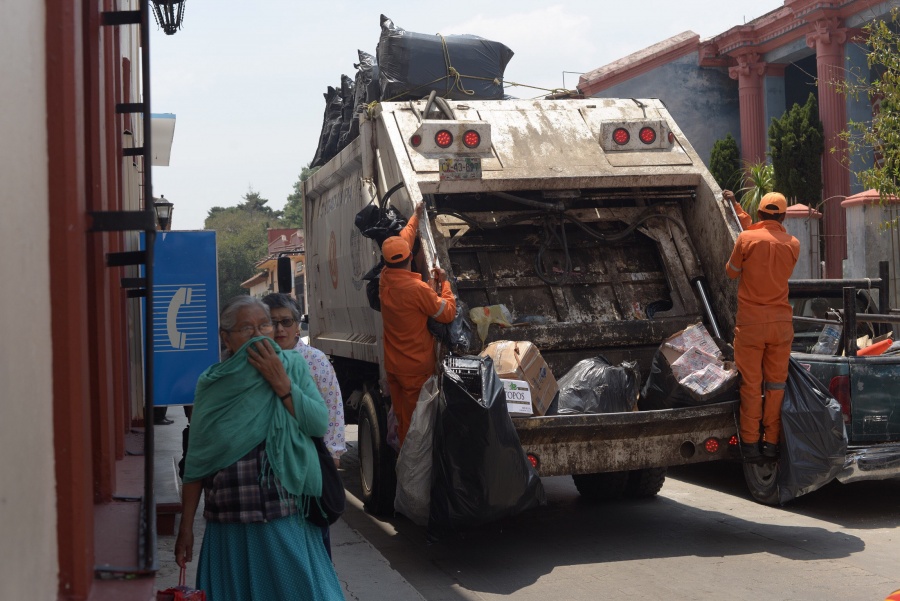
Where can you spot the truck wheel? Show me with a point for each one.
(646, 483)
(376, 459)
(761, 480)
(601, 487)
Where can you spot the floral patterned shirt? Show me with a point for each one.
(327, 383)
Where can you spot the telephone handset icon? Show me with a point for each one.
(182, 297)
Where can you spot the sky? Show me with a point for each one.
(246, 79)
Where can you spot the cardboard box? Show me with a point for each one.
(518, 397)
(522, 360)
(709, 380)
(692, 360)
(693, 336)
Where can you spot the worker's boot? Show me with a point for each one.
(769, 450)
(750, 452)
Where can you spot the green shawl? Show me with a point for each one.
(235, 409)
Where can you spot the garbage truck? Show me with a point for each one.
(592, 218)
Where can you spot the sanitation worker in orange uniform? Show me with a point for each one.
(763, 258)
(406, 304)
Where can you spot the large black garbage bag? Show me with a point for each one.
(662, 390)
(459, 334)
(596, 386)
(813, 439)
(411, 65)
(480, 472)
(348, 94)
(331, 127)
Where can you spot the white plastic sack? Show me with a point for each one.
(413, 498)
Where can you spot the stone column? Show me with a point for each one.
(749, 74)
(828, 41)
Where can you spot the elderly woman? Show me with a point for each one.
(252, 456)
(286, 320)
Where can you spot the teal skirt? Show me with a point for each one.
(283, 559)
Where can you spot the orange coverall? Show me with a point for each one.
(406, 304)
(763, 258)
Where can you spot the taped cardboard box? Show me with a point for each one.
(521, 360)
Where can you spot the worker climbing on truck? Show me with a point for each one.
(763, 258)
(406, 304)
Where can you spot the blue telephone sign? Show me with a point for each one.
(185, 313)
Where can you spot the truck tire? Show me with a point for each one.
(761, 480)
(601, 487)
(376, 459)
(646, 483)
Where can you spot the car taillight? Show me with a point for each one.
(443, 138)
(647, 135)
(839, 387)
(711, 445)
(415, 140)
(471, 139)
(621, 136)
(534, 460)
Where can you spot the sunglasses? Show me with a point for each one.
(284, 323)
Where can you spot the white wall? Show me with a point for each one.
(28, 549)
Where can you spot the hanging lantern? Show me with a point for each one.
(168, 14)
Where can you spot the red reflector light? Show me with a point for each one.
(534, 460)
(621, 136)
(733, 441)
(671, 138)
(415, 140)
(839, 387)
(711, 445)
(647, 135)
(471, 139)
(443, 138)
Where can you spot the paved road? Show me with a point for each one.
(701, 538)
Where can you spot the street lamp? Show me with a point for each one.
(168, 14)
(163, 210)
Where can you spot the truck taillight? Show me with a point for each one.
(839, 387)
(443, 138)
(647, 135)
(415, 140)
(535, 462)
(621, 136)
(711, 445)
(471, 139)
(733, 441)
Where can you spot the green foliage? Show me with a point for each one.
(293, 209)
(725, 163)
(879, 138)
(241, 240)
(759, 181)
(796, 143)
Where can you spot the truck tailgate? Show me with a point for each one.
(587, 444)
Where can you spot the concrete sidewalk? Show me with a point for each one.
(364, 573)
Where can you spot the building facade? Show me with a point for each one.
(739, 80)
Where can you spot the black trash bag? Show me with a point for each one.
(662, 390)
(813, 439)
(332, 120)
(379, 224)
(596, 386)
(411, 65)
(348, 95)
(373, 284)
(459, 334)
(480, 472)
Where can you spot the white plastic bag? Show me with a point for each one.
(413, 497)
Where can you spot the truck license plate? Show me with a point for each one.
(459, 168)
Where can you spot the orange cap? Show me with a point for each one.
(395, 250)
(773, 203)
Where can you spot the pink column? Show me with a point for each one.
(828, 41)
(749, 74)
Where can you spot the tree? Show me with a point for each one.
(293, 209)
(725, 163)
(796, 143)
(878, 139)
(241, 240)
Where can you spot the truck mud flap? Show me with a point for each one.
(588, 444)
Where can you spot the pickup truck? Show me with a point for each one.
(594, 215)
(866, 387)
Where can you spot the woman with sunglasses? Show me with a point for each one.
(286, 322)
